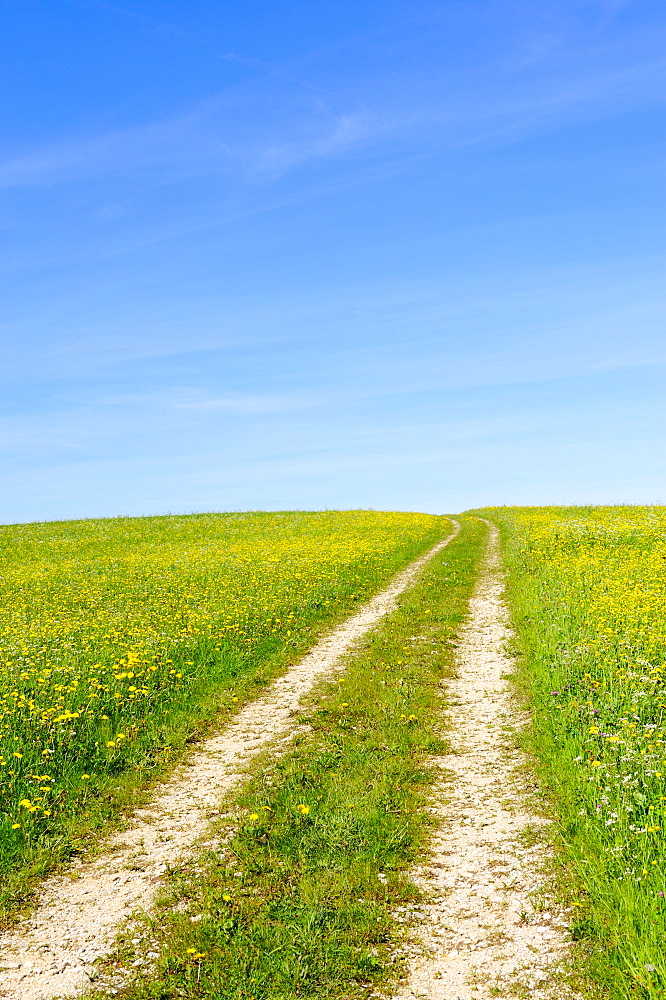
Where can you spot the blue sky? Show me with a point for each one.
(332, 254)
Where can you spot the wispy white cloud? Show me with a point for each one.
(172, 143)
(155, 26)
(237, 404)
(167, 29)
(253, 405)
(201, 141)
(263, 130)
(342, 135)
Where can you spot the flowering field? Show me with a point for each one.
(588, 593)
(117, 636)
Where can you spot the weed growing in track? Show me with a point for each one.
(301, 902)
(120, 638)
(588, 593)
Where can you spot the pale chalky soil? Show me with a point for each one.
(480, 933)
(51, 954)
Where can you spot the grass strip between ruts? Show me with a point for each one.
(301, 899)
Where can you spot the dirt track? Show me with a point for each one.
(482, 932)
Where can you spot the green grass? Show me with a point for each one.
(588, 595)
(300, 902)
(122, 640)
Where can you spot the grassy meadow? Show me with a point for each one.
(587, 588)
(122, 639)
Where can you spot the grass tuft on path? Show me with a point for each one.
(303, 900)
